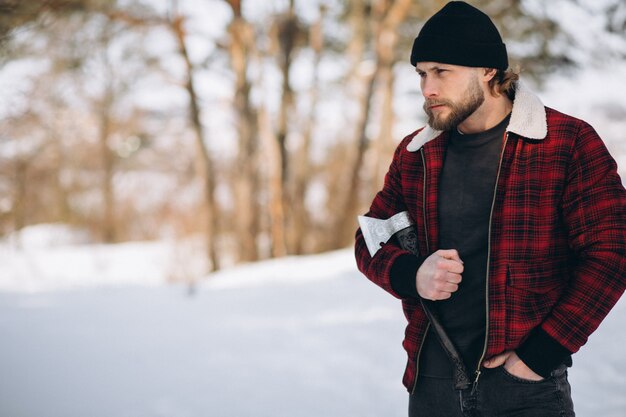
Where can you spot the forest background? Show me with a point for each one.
(243, 129)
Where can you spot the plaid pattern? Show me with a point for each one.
(557, 242)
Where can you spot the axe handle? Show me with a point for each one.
(407, 239)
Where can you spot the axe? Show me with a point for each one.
(377, 233)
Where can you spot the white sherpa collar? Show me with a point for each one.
(528, 119)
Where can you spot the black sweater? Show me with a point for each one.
(466, 191)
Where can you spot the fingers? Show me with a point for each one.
(449, 260)
(440, 275)
(444, 279)
(443, 289)
(449, 287)
(443, 295)
(496, 361)
(449, 266)
(451, 254)
(437, 295)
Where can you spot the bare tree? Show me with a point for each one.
(299, 222)
(204, 166)
(272, 175)
(241, 45)
(286, 32)
(385, 20)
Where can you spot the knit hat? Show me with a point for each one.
(460, 34)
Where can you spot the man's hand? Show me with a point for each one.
(439, 276)
(513, 365)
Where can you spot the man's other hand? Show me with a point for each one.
(440, 275)
(513, 365)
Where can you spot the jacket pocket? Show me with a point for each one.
(538, 277)
(532, 290)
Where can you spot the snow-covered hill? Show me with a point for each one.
(302, 337)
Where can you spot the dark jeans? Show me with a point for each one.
(498, 394)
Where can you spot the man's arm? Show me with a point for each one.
(392, 268)
(594, 213)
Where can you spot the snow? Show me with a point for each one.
(301, 336)
(67, 267)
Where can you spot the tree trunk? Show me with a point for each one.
(300, 222)
(383, 146)
(386, 48)
(344, 202)
(275, 183)
(19, 205)
(108, 220)
(247, 181)
(107, 227)
(204, 168)
(387, 17)
(286, 32)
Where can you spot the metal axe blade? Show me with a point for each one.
(377, 232)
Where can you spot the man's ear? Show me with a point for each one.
(489, 73)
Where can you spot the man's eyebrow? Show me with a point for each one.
(432, 68)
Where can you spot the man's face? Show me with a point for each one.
(452, 93)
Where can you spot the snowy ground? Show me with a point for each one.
(296, 337)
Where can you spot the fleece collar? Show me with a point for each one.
(528, 119)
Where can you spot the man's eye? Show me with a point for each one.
(441, 71)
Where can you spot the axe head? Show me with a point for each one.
(377, 232)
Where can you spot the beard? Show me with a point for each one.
(472, 99)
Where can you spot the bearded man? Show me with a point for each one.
(520, 218)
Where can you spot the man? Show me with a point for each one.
(520, 221)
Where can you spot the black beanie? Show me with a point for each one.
(460, 34)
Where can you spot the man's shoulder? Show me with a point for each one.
(558, 121)
(572, 134)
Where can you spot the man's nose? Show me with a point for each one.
(429, 89)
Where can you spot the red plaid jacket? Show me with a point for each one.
(557, 248)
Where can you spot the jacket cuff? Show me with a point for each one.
(403, 273)
(542, 353)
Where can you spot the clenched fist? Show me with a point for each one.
(440, 275)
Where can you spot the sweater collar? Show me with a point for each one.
(528, 119)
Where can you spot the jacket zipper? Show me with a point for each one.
(417, 358)
(419, 352)
(493, 203)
